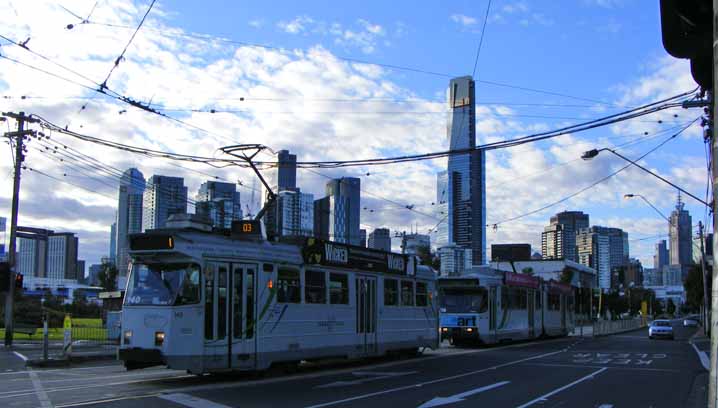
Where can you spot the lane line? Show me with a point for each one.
(618, 367)
(39, 390)
(107, 400)
(565, 387)
(438, 380)
(703, 356)
(190, 401)
(22, 357)
(63, 369)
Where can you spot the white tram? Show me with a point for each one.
(206, 302)
(492, 309)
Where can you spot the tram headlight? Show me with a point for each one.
(159, 338)
(444, 329)
(128, 336)
(469, 329)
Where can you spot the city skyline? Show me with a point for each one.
(517, 179)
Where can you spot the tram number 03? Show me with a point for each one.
(246, 227)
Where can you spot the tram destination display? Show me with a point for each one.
(321, 252)
(147, 242)
(247, 229)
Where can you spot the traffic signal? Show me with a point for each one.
(4, 276)
(687, 31)
(18, 281)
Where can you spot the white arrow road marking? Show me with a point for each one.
(368, 376)
(565, 387)
(460, 397)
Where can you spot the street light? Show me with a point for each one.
(629, 196)
(590, 154)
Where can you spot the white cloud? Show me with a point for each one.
(299, 24)
(256, 23)
(365, 35)
(520, 12)
(463, 19)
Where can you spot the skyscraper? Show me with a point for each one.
(571, 222)
(594, 251)
(660, 259)
(681, 236)
(286, 171)
(466, 175)
(321, 218)
(129, 215)
(292, 214)
(618, 245)
(163, 197)
(380, 238)
(362, 238)
(62, 256)
(344, 209)
(219, 202)
(441, 210)
(415, 244)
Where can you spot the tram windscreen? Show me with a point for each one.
(464, 300)
(163, 285)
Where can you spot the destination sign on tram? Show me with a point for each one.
(320, 252)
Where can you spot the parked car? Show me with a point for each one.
(691, 322)
(660, 329)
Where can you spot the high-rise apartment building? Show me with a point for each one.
(565, 248)
(455, 260)
(62, 256)
(32, 255)
(380, 238)
(441, 210)
(292, 214)
(415, 244)
(681, 236)
(466, 173)
(661, 257)
(218, 202)
(129, 217)
(344, 209)
(618, 244)
(164, 196)
(113, 241)
(362, 238)
(594, 251)
(286, 171)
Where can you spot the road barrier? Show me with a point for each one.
(606, 327)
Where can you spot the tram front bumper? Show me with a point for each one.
(136, 357)
(460, 333)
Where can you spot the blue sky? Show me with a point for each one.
(594, 50)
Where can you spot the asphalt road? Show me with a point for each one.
(626, 370)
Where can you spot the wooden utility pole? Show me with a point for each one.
(19, 138)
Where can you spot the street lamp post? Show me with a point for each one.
(590, 154)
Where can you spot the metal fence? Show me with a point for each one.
(606, 327)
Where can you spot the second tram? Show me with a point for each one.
(508, 307)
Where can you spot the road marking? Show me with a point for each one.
(703, 356)
(39, 391)
(20, 355)
(438, 380)
(190, 401)
(666, 370)
(368, 377)
(460, 397)
(565, 387)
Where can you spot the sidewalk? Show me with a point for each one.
(702, 345)
(81, 351)
(699, 394)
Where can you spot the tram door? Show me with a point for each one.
(532, 312)
(216, 308)
(366, 313)
(564, 306)
(243, 347)
(493, 302)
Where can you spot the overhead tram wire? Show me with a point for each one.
(210, 37)
(107, 91)
(592, 185)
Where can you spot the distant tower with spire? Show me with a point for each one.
(680, 231)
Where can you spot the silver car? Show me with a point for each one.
(660, 329)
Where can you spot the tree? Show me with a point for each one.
(424, 254)
(694, 288)
(566, 275)
(108, 277)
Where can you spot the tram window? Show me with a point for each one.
(554, 302)
(407, 293)
(518, 299)
(538, 300)
(288, 288)
(504, 297)
(222, 302)
(338, 289)
(391, 292)
(249, 291)
(209, 302)
(421, 294)
(315, 287)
